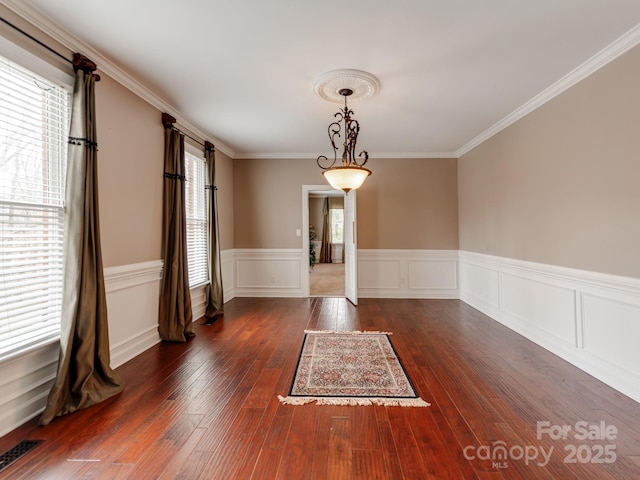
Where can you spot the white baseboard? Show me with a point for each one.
(592, 320)
(408, 274)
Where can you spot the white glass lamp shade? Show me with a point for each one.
(346, 178)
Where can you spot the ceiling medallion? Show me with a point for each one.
(362, 84)
(349, 173)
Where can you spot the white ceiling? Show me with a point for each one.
(242, 71)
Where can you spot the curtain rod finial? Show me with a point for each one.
(80, 62)
(168, 120)
(209, 146)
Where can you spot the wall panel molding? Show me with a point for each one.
(407, 273)
(381, 273)
(268, 272)
(132, 303)
(590, 319)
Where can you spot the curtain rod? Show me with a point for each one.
(168, 121)
(189, 136)
(28, 35)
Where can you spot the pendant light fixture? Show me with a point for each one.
(350, 173)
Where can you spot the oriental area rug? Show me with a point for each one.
(350, 368)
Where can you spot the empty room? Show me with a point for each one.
(330, 240)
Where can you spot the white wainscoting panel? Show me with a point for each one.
(543, 305)
(592, 320)
(479, 284)
(132, 302)
(407, 273)
(227, 258)
(268, 273)
(379, 274)
(611, 329)
(433, 274)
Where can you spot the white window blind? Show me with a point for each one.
(34, 122)
(196, 207)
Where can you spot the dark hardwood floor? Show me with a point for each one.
(208, 409)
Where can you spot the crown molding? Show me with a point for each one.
(57, 33)
(276, 156)
(605, 56)
(372, 156)
(623, 44)
(397, 155)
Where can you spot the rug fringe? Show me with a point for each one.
(350, 332)
(385, 402)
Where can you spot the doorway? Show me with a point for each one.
(338, 271)
(326, 244)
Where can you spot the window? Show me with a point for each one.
(197, 219)
(337, 224)
(34, 122)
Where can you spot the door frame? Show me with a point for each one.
(351, 247)
(304, 267)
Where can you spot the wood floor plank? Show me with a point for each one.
(297, 456)
(230, 455)
(340, 456)
(208, 408)
(409, 456)
(367, 464)
(392, 464)
(187, 462)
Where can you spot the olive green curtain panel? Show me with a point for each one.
(84, 375)
(175, 319)
(214, 290)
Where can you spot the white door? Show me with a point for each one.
(350, 248)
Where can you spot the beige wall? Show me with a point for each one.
(561, 186)
(267, 201)
(224, 182)
(408, 204)
(130, 169)
(130, 158)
